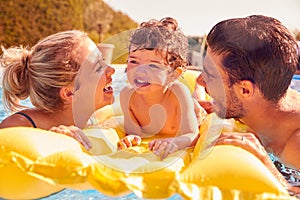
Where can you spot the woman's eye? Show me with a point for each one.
(100, 67)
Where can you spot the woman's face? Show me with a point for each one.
(92, 87)
(146, 70)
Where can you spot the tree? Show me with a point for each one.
(25, 22)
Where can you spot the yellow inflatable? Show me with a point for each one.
(35, 163)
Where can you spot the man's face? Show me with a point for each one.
(225, 102)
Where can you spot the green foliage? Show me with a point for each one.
(24, 22)
(115, 27)
(97, 13)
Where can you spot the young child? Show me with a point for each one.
(155, 103)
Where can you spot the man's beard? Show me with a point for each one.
(232, 108)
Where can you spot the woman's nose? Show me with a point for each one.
(110, 70)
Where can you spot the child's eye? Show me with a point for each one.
(154, 66)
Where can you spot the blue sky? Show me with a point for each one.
(196, 17)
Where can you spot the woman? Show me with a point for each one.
(65, 78)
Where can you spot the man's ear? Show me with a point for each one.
(245, 88)
(66, 93)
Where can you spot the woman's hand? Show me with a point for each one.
(75, 133)
(163, 147)
(129, 141)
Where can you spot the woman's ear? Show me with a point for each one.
(66, 93)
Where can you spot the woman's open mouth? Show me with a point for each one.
(108, 88)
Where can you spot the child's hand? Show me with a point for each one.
(129, 141)
(75, 133)
(163, 147)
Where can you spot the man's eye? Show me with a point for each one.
(206, 74)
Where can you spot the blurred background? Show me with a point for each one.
(24, 22)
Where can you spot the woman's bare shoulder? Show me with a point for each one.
(15, 120)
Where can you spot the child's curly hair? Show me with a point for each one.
(162, 36)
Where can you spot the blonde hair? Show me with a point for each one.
(40, 72)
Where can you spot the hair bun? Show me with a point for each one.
(170, 23)
(167, 22)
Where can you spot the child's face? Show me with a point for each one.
(146, 70)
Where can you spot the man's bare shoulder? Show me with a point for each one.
(291, 151)
(291, 101)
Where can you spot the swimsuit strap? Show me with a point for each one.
(29, 118)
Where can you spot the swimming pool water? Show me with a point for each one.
(296, 82)
(68, 194)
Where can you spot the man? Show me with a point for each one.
(248, 68)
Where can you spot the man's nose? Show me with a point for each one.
(200, 80)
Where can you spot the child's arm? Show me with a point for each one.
(131, 125)
(189, 123)
(188, 133)
(132, 129)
